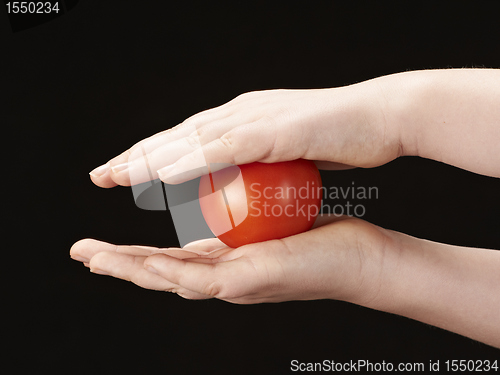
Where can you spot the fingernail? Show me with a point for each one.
(119, 167)
(99, 171)
(151, 269)
(98, 271)
(79, 258)
(165, 172)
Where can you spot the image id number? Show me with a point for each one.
(471, 365)
(32, 7)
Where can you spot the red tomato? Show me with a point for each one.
(261, 201)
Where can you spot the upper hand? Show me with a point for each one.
(339, 128)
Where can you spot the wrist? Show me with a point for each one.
(369, 121)
(361, 265)
(401, 99)
(442, 285)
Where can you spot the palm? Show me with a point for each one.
(296, 267)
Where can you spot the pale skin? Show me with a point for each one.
(452, 116)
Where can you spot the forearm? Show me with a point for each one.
(451, 287)
(450, 115)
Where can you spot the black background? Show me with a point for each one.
(81, 88)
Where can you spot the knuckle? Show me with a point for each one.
(214, 289)
(198, 117)
(189, 120)
(227, 140)
(198, 131)
(168, 132)
(221, 289)
(227, 143)
(128, 153)
(245, 96)
(175, 128)
(240, 97)
(193, 141)
(203, 133)
(124, 156)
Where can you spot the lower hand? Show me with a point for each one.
(335, 260)
(451, 287)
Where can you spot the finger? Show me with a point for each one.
(222, 280)
(85, 249)
(211, 250)
(325, 219)
(131, 268)
(205, 246)
(218, 127)
(216, 256)
(241, 145)
(332, 166)
(102, 176)
(108, 175)
(177, 132)
(144, 163)
(144, 170)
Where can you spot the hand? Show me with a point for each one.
(424, 113)
(336, 260)
(343, 126)
(451, 287)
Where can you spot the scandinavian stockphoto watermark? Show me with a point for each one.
(295, 198)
